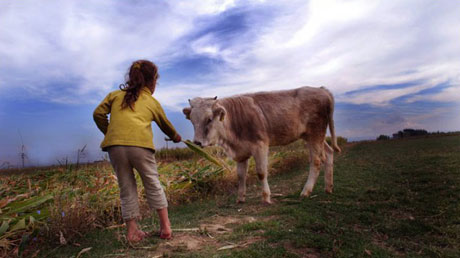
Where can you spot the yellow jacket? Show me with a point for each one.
(128, 127)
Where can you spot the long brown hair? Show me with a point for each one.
(142, 73)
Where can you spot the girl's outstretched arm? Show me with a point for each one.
(164, 124)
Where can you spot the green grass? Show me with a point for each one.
(391, 198)
(395, 197)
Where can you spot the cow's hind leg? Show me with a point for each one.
(316, 152)
(242, 169)
(261, 159)
(328, 168)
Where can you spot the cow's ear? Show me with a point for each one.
(187, 112)
(219, 112)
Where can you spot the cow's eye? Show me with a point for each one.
(209, 121)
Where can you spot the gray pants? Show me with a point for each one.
(124, 159)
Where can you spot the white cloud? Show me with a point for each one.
(90, 42)
(347, 46)
(451, 94)
(203, 7)
(206, 46)
(381, 97)
(343, 45)
(324, 14)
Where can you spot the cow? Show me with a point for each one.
(246, 125)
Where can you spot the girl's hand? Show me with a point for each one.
(177, 139)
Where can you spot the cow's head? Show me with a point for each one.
(207, 117)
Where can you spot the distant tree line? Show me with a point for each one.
(409, 132)
(383, 137)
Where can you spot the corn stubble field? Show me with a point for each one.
(391, 198)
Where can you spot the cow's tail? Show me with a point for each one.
(335, 146)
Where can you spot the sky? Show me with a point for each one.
(390, 64)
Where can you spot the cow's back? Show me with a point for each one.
(291, 114)
(279, 117)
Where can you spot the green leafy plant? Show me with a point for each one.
(198, 150)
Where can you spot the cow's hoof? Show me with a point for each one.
(267, 202)
(305, 194)
(329, 191)
(240, 201)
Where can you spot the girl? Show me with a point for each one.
(129, 142)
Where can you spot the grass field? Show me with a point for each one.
(391, 198)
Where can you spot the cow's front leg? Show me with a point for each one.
(242, 170)
(261, 159)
